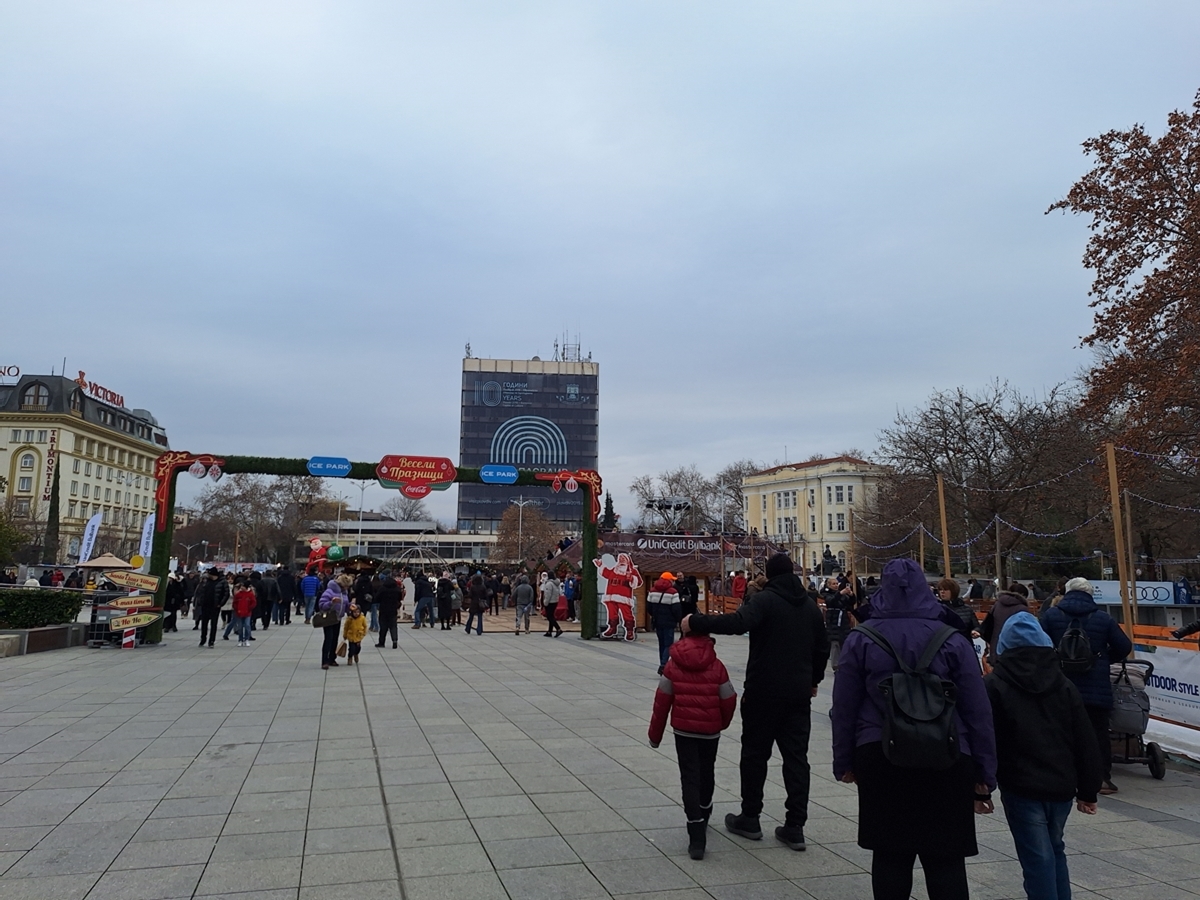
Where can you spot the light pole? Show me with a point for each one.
(520, 503)
(362, 489)
(1100, 553)
(205, 545)
(188, 559)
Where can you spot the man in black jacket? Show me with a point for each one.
(388, 599)
(788, 652)
(211, 595)
(1045, 751)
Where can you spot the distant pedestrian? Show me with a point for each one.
(695, 689)
(838, 600)
(173, 601)
(948, 596)
(1007, 604)
(477, 594)
(456, 602)
(211, 593)
(310, 587)
(423, 595)
(333, 601)
(525, 599)
(354, 629)
(738, 587)
(388, 599)
(285, 582)
(662, 602)
(550, 595)
(245, 600)
(444, 593)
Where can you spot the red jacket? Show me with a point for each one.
(244, 602)
(695, 689)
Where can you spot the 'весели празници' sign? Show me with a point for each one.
(415, 476)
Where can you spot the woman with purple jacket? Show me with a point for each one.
(336, 600)
(909, 812)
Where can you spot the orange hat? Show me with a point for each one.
(668, 576)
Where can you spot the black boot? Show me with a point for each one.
(696, 839)
(744, 826)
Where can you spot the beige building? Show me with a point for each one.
(103, 453)
(806, 506)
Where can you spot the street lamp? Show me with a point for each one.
(362, 489)
(188, 559)
(1100, 553)
(520, 503)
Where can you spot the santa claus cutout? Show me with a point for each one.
(617, 579)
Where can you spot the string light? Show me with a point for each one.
(1028, 487)
(907, 517)
(1051, 534)
(1190, 509)
(1178, 458)
(890, 546)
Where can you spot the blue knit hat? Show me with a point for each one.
(1022, 630)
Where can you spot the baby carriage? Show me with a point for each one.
(1130, 715)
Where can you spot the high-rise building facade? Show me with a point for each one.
(102, 453)
(532, 414)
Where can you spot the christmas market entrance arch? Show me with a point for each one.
(170, 465)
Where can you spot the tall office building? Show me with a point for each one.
(533, 414)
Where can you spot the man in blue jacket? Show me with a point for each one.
(1109, 645)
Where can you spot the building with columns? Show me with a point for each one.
(807, 506)
(102, 453)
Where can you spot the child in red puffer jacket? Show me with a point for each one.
(696, 691)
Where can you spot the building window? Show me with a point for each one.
(828, 494)
(839, 494)
(74, 488)
(104, 517)
(841, 521)
(16, 436)
(87, 490)
(75, 466)
(29, 436)
(110, 474)
(812, 496)
(849, 493)
(42, 435)
(36, 396)
(137, 481)
(107, 495)
(72, 508)
(764, 506)
(812, 524)
(87, 469)
(76, 401)
(27, 461)
(842, 559)
(25, 484)
(21, 507)
(830, 515)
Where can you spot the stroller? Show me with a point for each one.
(1130, 716)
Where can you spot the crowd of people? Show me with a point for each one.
(925, 735)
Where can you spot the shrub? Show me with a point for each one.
(32, 608)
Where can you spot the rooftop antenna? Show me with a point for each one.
(468, 350)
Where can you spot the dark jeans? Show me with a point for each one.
(1037, 830)
(1099, 720)
(208, 628)
(892, 875)
(353, 648)
(776, 720)
(666, 637)
(552, 625)
(386, 624)
(282, 614)
(697, 761)
(571, 608)
(329, 646)
(473, 616)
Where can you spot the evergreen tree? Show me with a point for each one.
(609, 520)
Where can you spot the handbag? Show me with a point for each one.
(324, 618)
(341, 650)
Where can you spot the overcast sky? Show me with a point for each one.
(276, 225)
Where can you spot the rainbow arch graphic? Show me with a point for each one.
(529, 441)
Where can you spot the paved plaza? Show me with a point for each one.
(453, 768)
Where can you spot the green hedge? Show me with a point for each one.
(32, 608)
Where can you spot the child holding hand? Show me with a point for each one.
(696, 691)
(354, 629)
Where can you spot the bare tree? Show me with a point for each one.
(525, 535)
(406, 509)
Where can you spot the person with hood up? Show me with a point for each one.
(524, 599)
(788, 652)
(1045, 752)
(906, 812)
(665, 613)
(1109, 645)
(388, 600)
(696, 691)
(1008, 603)
(334, 599)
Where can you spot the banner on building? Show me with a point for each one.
(147, 543)
(89, 538)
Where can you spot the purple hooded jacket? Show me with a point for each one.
(905, 611)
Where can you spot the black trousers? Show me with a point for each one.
(171, 621)
(329, 645)
(1099, 720)
(386, 624)
(767, 721)
(697, 764)
(892, 875)
(551, 620)
(208, 628)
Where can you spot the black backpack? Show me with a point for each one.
(918, 723)
(1075, 649)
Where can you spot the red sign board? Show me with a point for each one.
(415, 476)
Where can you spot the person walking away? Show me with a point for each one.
(310, 587)
(388, 599)
(493, 586)
(456, 603)
(333, 600)
(904, 811)
(550, 595)
(361, 594)
(665, 610)
(172, 602)
(477, 595)
(570, 588)
(696, 691)
(838, 600)
(1007, 604)
(1045, 752)
(786, 662)
(354, 629)
(739, 585)
(262, 612)
(445, 595)
(689, 595)
(423, 595)
(245, 601)
(1087, 669)
(525, 600)
(212, 593)
(285, 581)
(948, 595)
